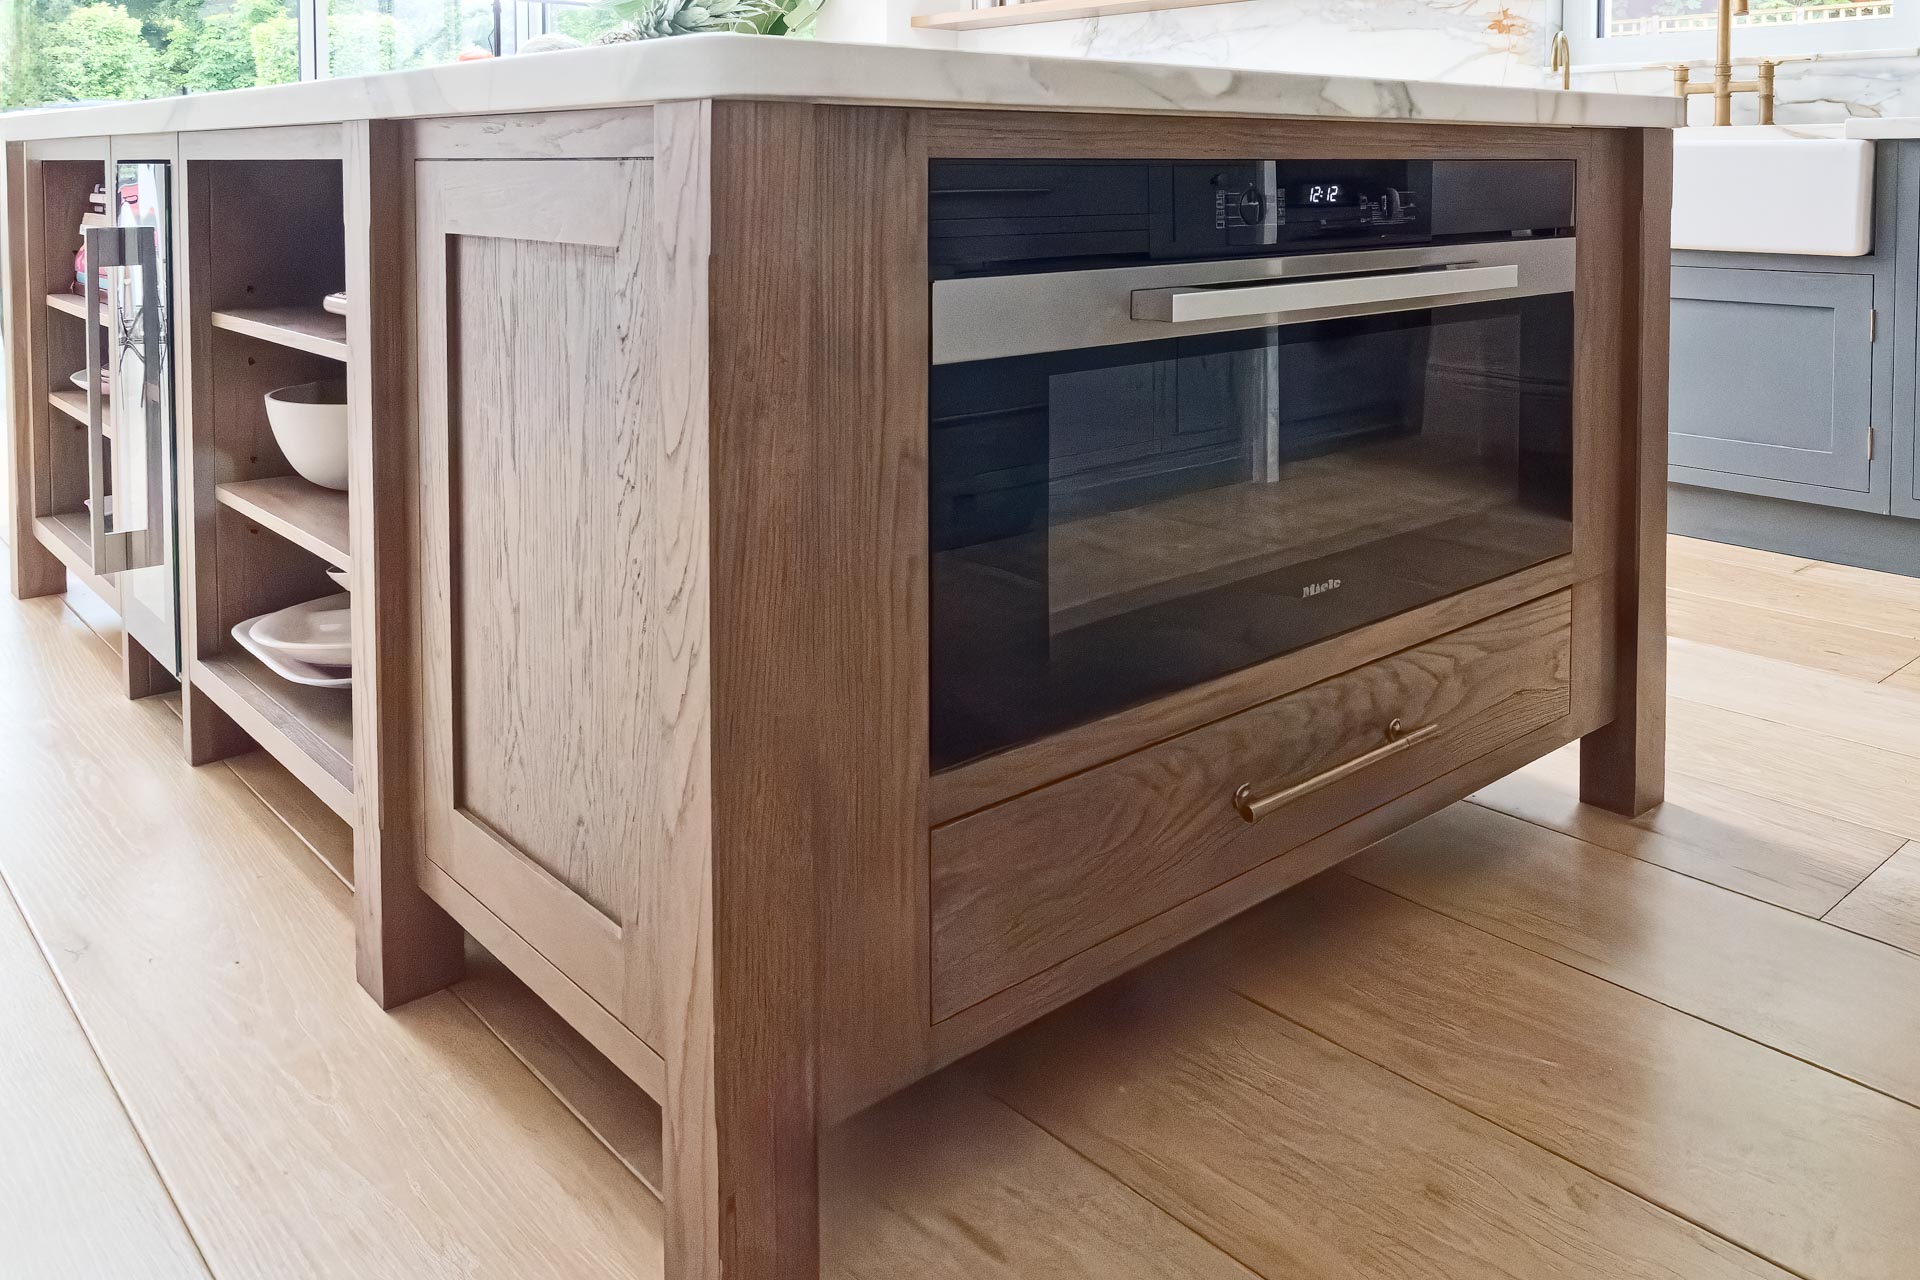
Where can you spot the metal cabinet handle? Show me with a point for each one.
(1237, 301)
(1254, 807)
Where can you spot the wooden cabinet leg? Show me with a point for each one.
(210, 733)
(1623, 766)
(141, 673)
(35, 570)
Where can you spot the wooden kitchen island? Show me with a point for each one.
(637, 345)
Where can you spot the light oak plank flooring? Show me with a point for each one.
(1751, 844)
(1312, 1161)
(78, 1196)
(301, 1130)
(1811, 1171)
(1887, 903)
(1860, 652)
(1816, 992)
(1907, 677)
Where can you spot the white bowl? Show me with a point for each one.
(310, 425)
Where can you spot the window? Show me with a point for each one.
(1636, 31)
(61, 51)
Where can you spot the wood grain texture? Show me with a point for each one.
(1859, 652)
(404, 945)
(312, 518)
(943, 1183)
(321, 829)
(78, 1195)
(1886, 905)
(1302, 1159)
(308, 730)
(1802, 1167)
(1024, 885)
(1749, 843)
(1873, 715)
(541, 732)
(1779, 978)
(1882, 602)
(32, 569)
(619, 133)
(1829, 775)
(592, 1087)
(304, 328)
(1907, 677)
(1623, 766)
(204, 948)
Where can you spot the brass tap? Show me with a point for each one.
(1563, 59)
(1724, 86)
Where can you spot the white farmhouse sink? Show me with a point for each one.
(1771, 191)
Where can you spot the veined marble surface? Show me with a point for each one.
(1888, 127)
(765, 67)
(1826, 88)
(1463, 41)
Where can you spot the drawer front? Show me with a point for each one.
(1024, 885)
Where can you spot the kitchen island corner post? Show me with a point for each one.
(406, 946)
(32, 569)
(1623, 764)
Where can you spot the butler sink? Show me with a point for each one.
(1765, 189)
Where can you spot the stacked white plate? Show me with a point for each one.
(309, 643)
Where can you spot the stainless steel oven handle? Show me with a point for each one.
(1185, 305)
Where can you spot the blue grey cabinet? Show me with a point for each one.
(1777, 387)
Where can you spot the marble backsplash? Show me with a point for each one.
(1467, 41)
(1818, 90)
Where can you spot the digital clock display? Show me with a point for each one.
(1332, 193)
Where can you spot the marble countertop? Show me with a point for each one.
(1888, 128)
(764, 67)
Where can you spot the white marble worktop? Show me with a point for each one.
(1888, 129)
(765, 67)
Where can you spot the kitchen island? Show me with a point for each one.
(687, 561)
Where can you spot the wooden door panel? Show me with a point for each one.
(538, 423)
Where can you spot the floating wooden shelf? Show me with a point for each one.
(73, 304)
(1015, 15)
(310, 517)
(302, 328)
(308, 730)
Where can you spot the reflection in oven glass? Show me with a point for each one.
(1112, 525)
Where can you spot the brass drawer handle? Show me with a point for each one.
(1255, 807)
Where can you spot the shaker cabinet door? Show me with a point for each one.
(1774, 385)
(538, 426)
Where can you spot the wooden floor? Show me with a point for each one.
(1522, 1039)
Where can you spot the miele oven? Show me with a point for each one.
(1187, 417)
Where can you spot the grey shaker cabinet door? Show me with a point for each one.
(1772, 384)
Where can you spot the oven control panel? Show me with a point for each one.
(1211, 209)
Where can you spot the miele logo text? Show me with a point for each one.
(1319, 588)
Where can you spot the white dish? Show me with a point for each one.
(338, 577)
(335, 303)
(79, 380)
(88, 504)
(309, 424)
(316, 632)
(286, 668)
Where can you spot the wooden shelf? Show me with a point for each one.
(74, 305)
(74, 405)
(69, 536)
(302, 328)
(308, 730)
(310, 517)
(1015, 15)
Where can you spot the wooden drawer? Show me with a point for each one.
(1024, 885)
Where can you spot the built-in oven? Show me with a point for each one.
(1185, 418)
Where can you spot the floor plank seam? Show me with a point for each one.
(93, 1046)
(1685, 875)
(1856, 888)
(1532, 1142)
(1775, 607)
(988, 1093)
(1641, 995)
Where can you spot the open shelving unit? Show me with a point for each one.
(263, 537)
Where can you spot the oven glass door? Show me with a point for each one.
(1115, 523)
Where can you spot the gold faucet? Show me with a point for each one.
(1563, 59)
(1724, 86)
